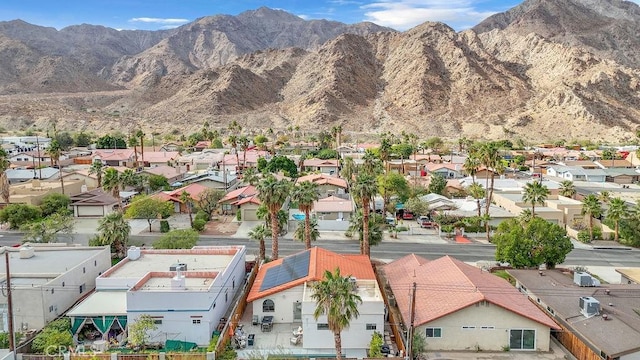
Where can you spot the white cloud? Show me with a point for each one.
(303, 16)
(405, 14)
(150, 20)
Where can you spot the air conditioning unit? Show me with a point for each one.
(354, 283)
(585, 280)
(589, 306)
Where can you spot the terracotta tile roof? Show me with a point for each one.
(333, 204)
(113, 154)
(245, 191)
(192, 189)
(159, 156)
(321, 163)
(250, 199)
(320, 260)
(447, 285)
(324, 179)
(164, 170)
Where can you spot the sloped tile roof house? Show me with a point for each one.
(462, 307)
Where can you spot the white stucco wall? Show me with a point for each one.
(36, 306)
(284, 303)
(493, 338)
(178, 309)
(355, 337)
(634, 356)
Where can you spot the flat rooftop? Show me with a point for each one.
(197, 259)
(163, 281)
(49, 261)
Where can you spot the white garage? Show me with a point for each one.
(94, 203)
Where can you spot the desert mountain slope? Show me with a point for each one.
(270, 69)
(608, 28)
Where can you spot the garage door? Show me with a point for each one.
(90, 211)
(249, 215)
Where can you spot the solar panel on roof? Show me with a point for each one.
(292, 268)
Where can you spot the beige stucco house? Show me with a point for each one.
(462, 307)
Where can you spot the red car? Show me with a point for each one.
(407, 216)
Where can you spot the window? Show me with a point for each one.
(157, 320)
(95, 262)
(487, 328)
(195, 321)
(371, 326)
(84, 270)
(522, 339)
(323, 326)
(468, 328)
(226, 295)
(268, 306)
(434, 332)
(233, 283)
(82, 288)
(53, 290)
(51, 308)
(63, 284)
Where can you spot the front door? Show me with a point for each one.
(297, 311)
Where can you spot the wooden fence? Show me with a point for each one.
(394, 318)
(236, 313)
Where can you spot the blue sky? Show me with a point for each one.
(159, 14)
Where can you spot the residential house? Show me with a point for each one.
(82, 175)
(229, 203)
(115, 157)
(94, 203)
(16, 176)
(186, 292)
(172, 174)
(200, 160)
(614, 164)
(214, 179)
(179, 206)
(461, 307)
(47, 279)
(248, 208)
(40, 158)
(159, 158)
(201, 145)
(32, 192)
(327, 185)
(597, 321)
(577, 173)
(446, 170)
(234, 164)
(171, 146)
(329, 166)
(287, 296)
(333, 213)
(622, 176)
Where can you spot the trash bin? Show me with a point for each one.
(250, 339)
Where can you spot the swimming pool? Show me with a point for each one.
(298, 216)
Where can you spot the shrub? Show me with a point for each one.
(198, 224)
(164, 226)
(375, 345)
(583, 235)
(203, 215)
(239, 216)
(177, 239)
(19, 214)
(55, 202)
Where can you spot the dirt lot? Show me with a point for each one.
(221, 225)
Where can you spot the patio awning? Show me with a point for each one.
(102, 308)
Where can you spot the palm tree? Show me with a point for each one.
(250, 176)
(477, 192)
(112, 183)
(273, 193)
(133, 141)
(364, 188)
(617, 210)
(98, 169)
(4, 181)
(259, 233)
(305, 194)
(490, 158)
(535, 193)
(471, 165)
(525, 216)
(114, 230)
(348, 168)
(140, 135)
(301, 232)
(604, 196)
(55, 151)
(244, 142)
(591, 207)
(336, 298)
(567, 188)
(186, 199)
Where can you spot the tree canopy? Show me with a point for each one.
(148, 208)
(177, 239)
(532, 243)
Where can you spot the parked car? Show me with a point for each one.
(407, 215)
(426, 222)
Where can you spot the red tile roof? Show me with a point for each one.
(323, 179)
(192, 189)
(447, 285)
(333, 204)
(245, 191)
(358, 266)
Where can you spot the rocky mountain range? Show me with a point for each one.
(546, 69)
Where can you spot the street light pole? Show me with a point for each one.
(12, 345)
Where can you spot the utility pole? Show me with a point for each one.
(413, 317)
(9, 303)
